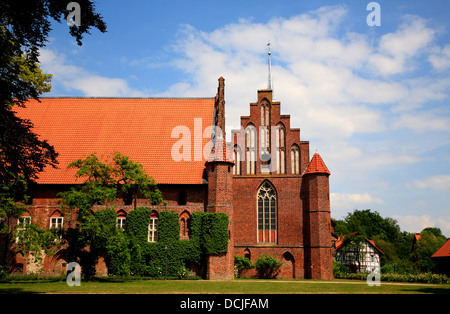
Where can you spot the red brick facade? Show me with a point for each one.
(277, 206)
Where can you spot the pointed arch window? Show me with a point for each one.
(237, 160)
(265, 114)
(121, 219)
(56, 220)
(281, 151)
(295, 160)
(185, 226)
(267, 214)
(250, 153)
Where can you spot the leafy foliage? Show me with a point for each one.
(242, 264)
(24, 28)
(396, 244)
(267, 267)
(36, 242)
(149, 259)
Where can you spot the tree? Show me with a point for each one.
(24, 28)
(428, 244)
(104, 177)
(369, 224)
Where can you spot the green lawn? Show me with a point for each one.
(248, 286)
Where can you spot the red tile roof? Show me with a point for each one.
(137, 127)
(316, 165)
(444, 251)
(340, 242)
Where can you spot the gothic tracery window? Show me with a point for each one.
(267, 215)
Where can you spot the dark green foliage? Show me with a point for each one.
(137, 225)
(396, 245)
(119, 255)
(242, 263)
(169, 227)
(267, 267)
(132, 254)
(210, 230)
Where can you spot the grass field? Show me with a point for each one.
(223, 287)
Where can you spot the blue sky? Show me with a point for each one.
(373, 100)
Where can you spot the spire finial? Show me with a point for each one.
(269, 82)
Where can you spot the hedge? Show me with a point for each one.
(392, 277)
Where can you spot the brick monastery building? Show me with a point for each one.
(277, 198)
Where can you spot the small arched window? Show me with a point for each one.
(185, 226)
(56, 220)
(121, 219)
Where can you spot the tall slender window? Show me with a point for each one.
(267, 214)
(237, 161)
(295, 160)
(265, 114)
(250, 147)
(153, 229)
(281, 155)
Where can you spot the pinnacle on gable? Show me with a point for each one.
(316, 165)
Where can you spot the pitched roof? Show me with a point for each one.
(316, 165)
(140, 128)
(444, 251)
(340, 242)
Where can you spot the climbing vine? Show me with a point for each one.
(130, 253)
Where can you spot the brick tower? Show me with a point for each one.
(318, 257)
(219, 169)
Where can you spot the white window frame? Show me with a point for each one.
(56, 222)
(120, 222)
(153, 230)
(22, 223)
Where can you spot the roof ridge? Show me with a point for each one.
(105, 97)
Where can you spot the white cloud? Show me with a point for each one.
(439, 182)
(397, 48)
(355, 198)
(342, 203)
(416, 224)
(441, 59)
(73, 77)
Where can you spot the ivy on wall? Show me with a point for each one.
(130, 253)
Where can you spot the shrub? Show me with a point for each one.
(267, 267)
(338, 268)
(242, 263)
